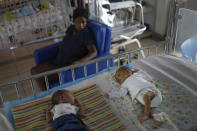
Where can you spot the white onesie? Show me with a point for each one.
(63, 109)
(137, 85)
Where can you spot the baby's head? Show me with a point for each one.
(63, 96)
(122, 74)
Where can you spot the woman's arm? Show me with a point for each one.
(81, 111)
(92, 52)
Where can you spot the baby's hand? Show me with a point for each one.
(83, 115)
(106, 95)
(48, 115)
(48, 110)
(76, 100)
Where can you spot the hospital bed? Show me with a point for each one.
(27, 112)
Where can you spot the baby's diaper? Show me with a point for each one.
(156, 101)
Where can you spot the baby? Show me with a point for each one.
(139, 88)
(65, 111)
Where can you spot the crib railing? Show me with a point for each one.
(23, 22)
(127, 56)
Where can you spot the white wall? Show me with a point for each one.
(158, 18)
(149, 17)
(191, 4)
(161, 18)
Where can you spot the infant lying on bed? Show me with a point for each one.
(65, 111)
(139, 88)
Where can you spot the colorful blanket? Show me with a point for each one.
(100, 117)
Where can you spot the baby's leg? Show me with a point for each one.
(146, 111)
(147, 101)
(158, 120)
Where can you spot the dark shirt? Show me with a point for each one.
(74, 47)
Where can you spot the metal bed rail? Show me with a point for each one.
(148, 49)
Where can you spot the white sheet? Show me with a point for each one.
(170, 69)
(5, 124)
(101, 80)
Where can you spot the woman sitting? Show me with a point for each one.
(77, 46)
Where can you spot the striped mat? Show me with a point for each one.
(100, 116)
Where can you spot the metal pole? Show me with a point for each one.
(47, 82)
(32, 87)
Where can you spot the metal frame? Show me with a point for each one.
(172, 24)
(138, 28)
(135, 27)
(129, 37)
(72, 67)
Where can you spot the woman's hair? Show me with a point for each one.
(57, 96)
(80, 12)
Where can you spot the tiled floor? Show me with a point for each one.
(16, 64)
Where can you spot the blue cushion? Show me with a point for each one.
(46, 53)
(79, 72)
(99, 34)
(102, 35)
(107, 39)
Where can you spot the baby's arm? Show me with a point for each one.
(49, 115)
(81, 111)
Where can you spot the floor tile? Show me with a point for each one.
(20, 52)
(8, 73)
(33, 47)
(6, 56)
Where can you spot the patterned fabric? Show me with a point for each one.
(178, 106)
(100, 116)
(130, 112)
(31, 116)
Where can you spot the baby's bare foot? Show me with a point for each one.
(143, 118)
(156, 124)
